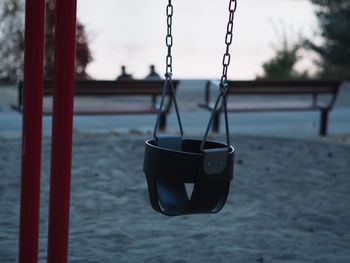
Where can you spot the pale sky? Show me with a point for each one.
(133, 33)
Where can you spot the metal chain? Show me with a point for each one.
(168, 83)
(169, 39)
(228, 40)
(223, 83)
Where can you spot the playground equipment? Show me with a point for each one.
(213, 179)
(61, 142)
(171, 161)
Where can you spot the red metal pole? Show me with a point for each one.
(31, 130)
(62, 122)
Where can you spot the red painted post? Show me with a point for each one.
(31, 131)
(62, 122)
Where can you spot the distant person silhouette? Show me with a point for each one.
(153, 74)
(124, 75)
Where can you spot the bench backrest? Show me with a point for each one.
(125, 87)
(276, 87)
(281, 87)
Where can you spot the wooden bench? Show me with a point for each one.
(126, 88)
(310, 88)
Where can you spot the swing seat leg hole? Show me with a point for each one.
(172, 196)
(189, 188)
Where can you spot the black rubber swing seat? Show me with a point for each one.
(171, 162)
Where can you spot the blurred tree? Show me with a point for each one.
(11, 39)
(334, 52)
(83, 53)
(282, 65)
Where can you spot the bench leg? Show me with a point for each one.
(216, 122)
(162, 121)
(323, 122)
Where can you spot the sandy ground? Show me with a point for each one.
(289, 202)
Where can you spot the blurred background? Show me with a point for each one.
(272, 38)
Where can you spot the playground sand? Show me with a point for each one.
(289, 202)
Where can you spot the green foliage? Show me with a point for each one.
(11, 39)
(334, 52)
(282, 65)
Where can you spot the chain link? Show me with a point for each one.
(169, 39)
(228, 41)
